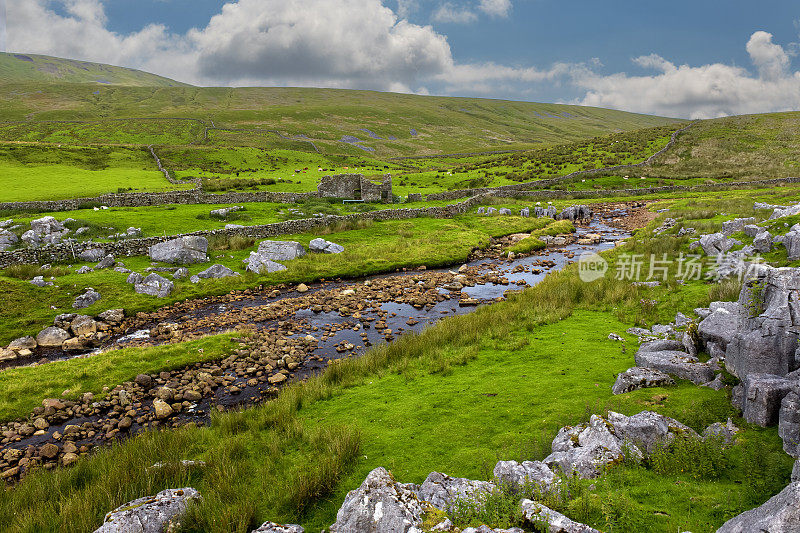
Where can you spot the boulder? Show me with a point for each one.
(325, 247)
(162, 409)
(23, 343)
(729, 227)
(442, 491)
(83, 325)
(720, 325)
(491, 210)
(216, 272)
(536, 513)
(281, 250)
(676, 363)
(789, 423)
(380, 504)
(225, 211)
(181, 273)
(134, 278)
(183, 250)
(647, 429)
(112, 316)
(505, 211)
(154, 285)
(518, 475)
(726, 432)
(40, 282)
(763, 242)
(586, 450)
(791, 241)
(779, 514)
(525, 212)
(46, 225)
(715, 243)
(107, 262)
(7, 240)
(259, 264)
(84, 270)
(751, 230)
(575, 212)
(51, 337)
(780, 211)
(640, 378)
(765, 340)
(762, 397)
(272, 527)
(151, 514)
(660, 345)
(86, 299)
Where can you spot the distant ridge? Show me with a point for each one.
(19, 67)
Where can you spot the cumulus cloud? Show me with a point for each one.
(450, 13)
(704, 91)
(495, 8)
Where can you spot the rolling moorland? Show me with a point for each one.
(457, 386)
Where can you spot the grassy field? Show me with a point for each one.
(496, 384)
(48, 173)
(48, 69)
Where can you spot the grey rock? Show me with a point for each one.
(518, 475)
(715, 384)
(791, 241)
(490, 210)
(640, 378)
(380, 504)
(525, 212)
(260, 264)
(51, 337)
(726, 432)
(688, 344)
(40, 282)
(7, 240)
(505, 211)
(107, 262)
(575, 212)
(112, 316)
(487, 529)
(763, 242)
(663, 330)
(84, 270)
(154, 285)
(327, 247)
(681, 320)
(83, 325)
(751, 230)
(762, 397)
(781, 212)
(183, 250)
(216, 272)
(152, 514)
(615, 337)
(676, 363)
(181, 273)
(91, 255)
(730, 227)
(536, 513)
(225, 211)
(647, 429)
(780, 514)
(194, 279)
(272, 527)
(660, 345)
(86, 299)
(442, 491)
(796, 471)
(46, 225)
(715, 243)
(134, 278)
(23, 343)
(702, 312)
(721, 324)
(281, 250)
(639, 332)
(587, 449)
(789, 423)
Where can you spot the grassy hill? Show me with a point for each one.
(47, 69)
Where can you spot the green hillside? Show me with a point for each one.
(38, 68)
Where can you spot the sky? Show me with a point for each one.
(689, 59)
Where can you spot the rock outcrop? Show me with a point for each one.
(181, 251)
(779, 514)
(152, 514)
(154, 285)
(281, 250)
(325, 247)
(442, 491)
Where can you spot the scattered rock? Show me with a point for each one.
(762, 397)
(640, 378)
(86, 299)
(183, 250)
(442, 491)
(536, 513)
(216, 272)
(155, 285)
(261, 264)
(322, 246)
(528, 472)
(281, 250)
(107, 262)
(151, 514)
(51, 337)
(162, 409)
(781, 513)
(40, 282)
(272, 527)
(727, 431)
(676, 363)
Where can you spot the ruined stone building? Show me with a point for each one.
(356, 187)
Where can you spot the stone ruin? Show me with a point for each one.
(356, 187)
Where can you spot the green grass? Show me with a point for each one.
(48, 69)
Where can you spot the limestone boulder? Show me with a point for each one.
(155, 285)
(791, 241)
(536, 514)
(83, 325)
(648, 429)
(529, 473)
(640, 378)
(779, 514)
(216, 272)
(720, 324)
(260, 264)
(7, 240)
(107, 262)
(763, 242)
(789, 423)
(86, 299)
(762, 397)
(51, 337)
(23, 343)
(322, 246)
(181, 251)
(675, 363)
(281, 250)
(729, 227)
(112, 316)
(151, 514)
(380, 504)
(442, 491)
(272, 527)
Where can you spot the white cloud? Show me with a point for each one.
(406, 8)
(495, 8)
(700, 92)
(451, 13)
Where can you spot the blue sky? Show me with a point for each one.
(695, 58)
